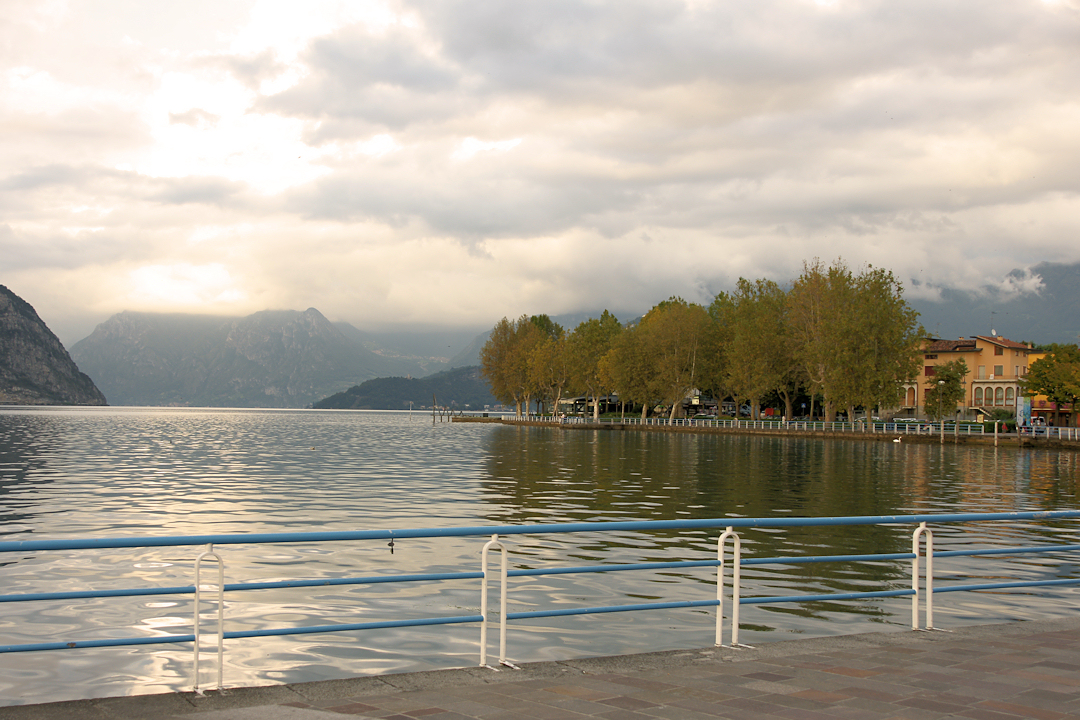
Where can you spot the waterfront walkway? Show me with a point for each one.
(986, 672)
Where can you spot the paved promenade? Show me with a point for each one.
(988, 672)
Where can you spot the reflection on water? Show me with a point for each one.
(114, 472)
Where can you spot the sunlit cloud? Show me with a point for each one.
(184, 286)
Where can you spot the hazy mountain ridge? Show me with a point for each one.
(1048, 314)
(273, 358)
(35, 369)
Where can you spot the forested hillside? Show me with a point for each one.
(460, 388)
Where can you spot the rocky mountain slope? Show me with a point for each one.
(35, 369)
(269, 359)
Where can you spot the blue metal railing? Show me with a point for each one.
(721, 563)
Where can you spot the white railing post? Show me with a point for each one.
(211, 555)
(503, 575)
(736, 565)
(929, 599)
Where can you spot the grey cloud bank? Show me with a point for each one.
(450, 163)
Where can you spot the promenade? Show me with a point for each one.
(1062, 438)
(987, 672)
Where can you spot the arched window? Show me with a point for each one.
(911, 397)
(999, 396)
(1009, 398)
(978, 396)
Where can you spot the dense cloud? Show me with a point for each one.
(461, 160)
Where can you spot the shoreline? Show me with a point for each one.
(1003, 440)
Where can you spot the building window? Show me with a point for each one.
(931, 357)
(982, 372)
(929, 371)
(1009, 398)
(999, 370)
(999, 396)
(978, 396)
(911, 397)
(999, 351)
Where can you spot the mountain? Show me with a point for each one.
(408, 361)
(1037, 305)
(35, 369)
(274, 358)
(459, 388)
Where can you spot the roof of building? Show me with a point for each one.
(942, 346)
(1003, 342)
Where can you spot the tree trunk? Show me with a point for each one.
(789, 408)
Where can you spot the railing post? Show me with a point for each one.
(503, 575)
(211, 555)
(736, 565)
(929, 599)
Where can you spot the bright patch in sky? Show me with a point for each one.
(471, 146)
(184, 285)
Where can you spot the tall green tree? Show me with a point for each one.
(945, 388)
(504, 361)
(1057, 376)
(496, 360)
(674, 334)
(755, 355)
(886, 353)
(587, 345)
(856, 338)
(548, 363)
(629, 369)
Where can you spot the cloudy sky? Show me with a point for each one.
(454, 161)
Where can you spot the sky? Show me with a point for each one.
(410, 164)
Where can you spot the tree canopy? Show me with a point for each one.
(849, 337)
(1057, 376)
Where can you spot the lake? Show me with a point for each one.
(109, 472)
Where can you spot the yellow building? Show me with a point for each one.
(995, 367)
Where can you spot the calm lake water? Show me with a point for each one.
(109, 472)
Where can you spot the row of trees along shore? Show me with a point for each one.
(848, 337)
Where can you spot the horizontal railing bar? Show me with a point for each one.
(611, 609)
(115, 642)
(236, 634)
(1006, 551)
(1000, 586)
(612, 568)
(271, 585)
(816, 598)
(313, 629)
(827, 558)
(649, 525)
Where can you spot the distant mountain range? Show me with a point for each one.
(272, 358)
(1041, 305)
(35, 369)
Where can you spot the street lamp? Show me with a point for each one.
(941, 417)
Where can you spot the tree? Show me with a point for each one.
(755, 352)
(629, 369)
(495, 363)
(856, 338)
(945, 389)
(1057, 376)
(549, 367)
(887, 353)
(588, 344)
(504, 361)
(674, 335)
